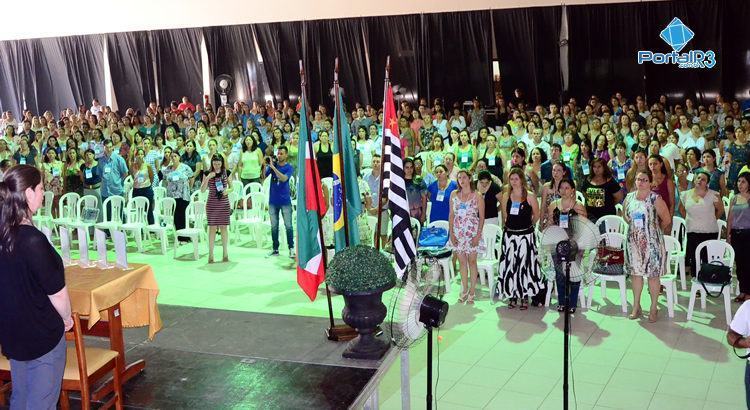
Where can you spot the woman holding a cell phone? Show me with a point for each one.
(647, 215)
(216, 180)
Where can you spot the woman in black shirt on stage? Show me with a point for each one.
(34, 302)
(601, 191)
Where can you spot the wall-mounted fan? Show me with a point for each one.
(223, 85)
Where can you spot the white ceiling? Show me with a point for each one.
(51, 18)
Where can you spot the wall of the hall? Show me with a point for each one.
(51, 18)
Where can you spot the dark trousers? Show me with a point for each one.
(740, 239)
(747, 384)
(693, 240)
(179, 215)
(147, 193)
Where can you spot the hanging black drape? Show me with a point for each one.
(177, 55)
(603, 41)
(231, 50)
(399, 37)
(53, 91)
(735, 49)
(703, 17)
(342, 38)
(84, 60)
(281, 47)
(16, 70)
(131, 66)
(527, 43)
(458, 46)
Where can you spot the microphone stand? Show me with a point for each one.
(565, 251)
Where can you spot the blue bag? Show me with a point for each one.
(433, 237)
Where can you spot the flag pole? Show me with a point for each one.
(336, 333)
(340, 141)
(386, 84)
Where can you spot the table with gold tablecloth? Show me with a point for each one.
(94, 290)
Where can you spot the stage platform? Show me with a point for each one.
(219, 359)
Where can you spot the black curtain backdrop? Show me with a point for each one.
(84, 59)
(400, 37)
(231, 50)
(527, 43)
(177, 54)
(16, 70)
(281, 47)
(735, 50)
(131, 66)
(446, 55)
(342, 38)
(703, 17)
(603, 41)
(458, 46)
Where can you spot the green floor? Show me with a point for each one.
(495, 358)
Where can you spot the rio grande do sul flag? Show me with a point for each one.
(310, 207)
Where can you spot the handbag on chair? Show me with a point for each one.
(433, 237)
(610, 260)
(714, 273)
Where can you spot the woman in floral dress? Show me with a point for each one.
(466, 221)
(647, 216)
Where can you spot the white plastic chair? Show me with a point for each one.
(127, 184)
(251, 218)
(446, 264)
(164, 223)
(612, 223)
(43, 215)
(159, 193)
(675, 253)
(619, 210)
(416, 227)
(67, 208)
(86, 201)
(669, 280)
(137, 220)
(252, 188)
(199, 196)
(488, 263)
(580, 197)
(112, 218)
(195, 217)
(722, 228)
(616, 240)
(716, 250)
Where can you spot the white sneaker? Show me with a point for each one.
(291, 254)
(273, 253)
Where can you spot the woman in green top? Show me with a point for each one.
(435, 154)
(250, 162)
(466, 154)
(292, 150)
(52, 175)
(570, 150)
(72, 172)
(494, 156)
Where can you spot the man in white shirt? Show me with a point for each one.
(669, 148)
(536, 141)
(737, 336)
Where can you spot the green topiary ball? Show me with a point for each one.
(360, 269)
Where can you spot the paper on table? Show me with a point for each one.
(101, 249)
(121, 250)
(83, 248)
(65, 245)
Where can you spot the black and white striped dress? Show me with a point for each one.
(217, 209)
(520, 275)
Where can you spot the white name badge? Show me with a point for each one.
(564, 218)
(436, 162)
(55, 172)
(175, 176)
(88, 173)
(107, 169)
(639, 220)
(491, 161)
(566, 157)
(464, 158)
(219, 186)
(141, 178)
(690, 177)
(585, 168)
(515, 208)
(22, 160)
(441, 196)
(620, 174)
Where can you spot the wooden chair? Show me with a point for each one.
(93, 362)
